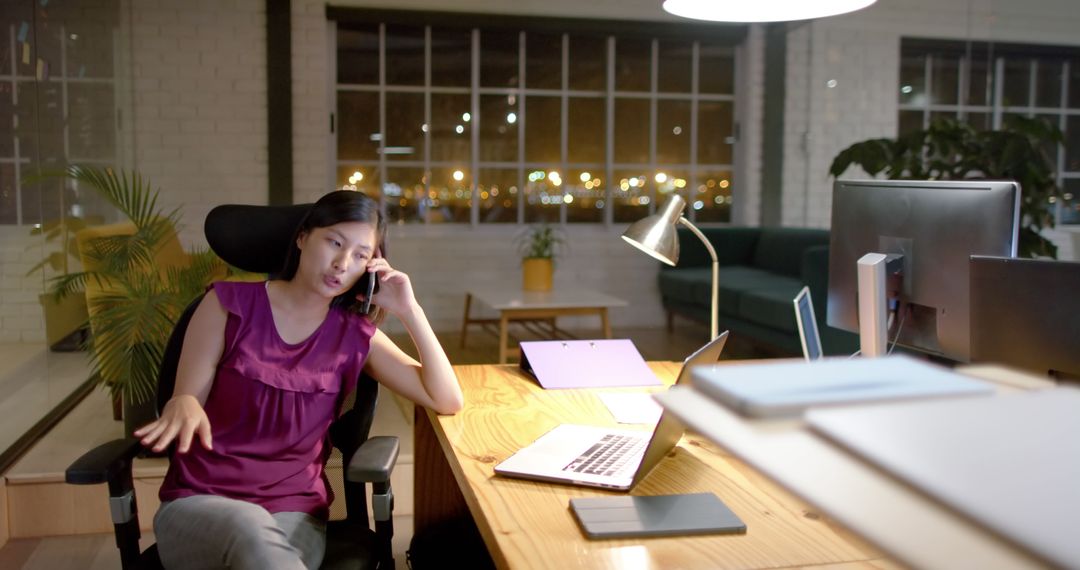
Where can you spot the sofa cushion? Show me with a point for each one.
(771, 305)
(693, 285)
(734, 246)
(738, 280)
(780, 249)
(681, 284)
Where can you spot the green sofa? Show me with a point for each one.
(761, 271)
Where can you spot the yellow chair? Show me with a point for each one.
(170, 255)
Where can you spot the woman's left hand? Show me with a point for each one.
(395, 292)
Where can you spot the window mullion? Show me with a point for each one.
(928, 75)
(1062, 124)
(999, 91)
(426, 181)
(382, 115)
(474, 162)
(609, 134)
(654, 79)
(332, 81)
(695, 52)
(521, 129)
(962, 87)
(564, 138)
(17, 162)
(64, 99)
(1033, 85)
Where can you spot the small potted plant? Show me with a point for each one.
(538, 246)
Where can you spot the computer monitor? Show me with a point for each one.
(926, 231)
(1024, 313)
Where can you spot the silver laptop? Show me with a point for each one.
(808, 329)
(596, 456)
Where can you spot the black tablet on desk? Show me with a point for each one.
(661, 515)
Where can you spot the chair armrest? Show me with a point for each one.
(374, 460)
(103, 463)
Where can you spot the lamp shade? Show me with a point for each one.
(655, 234)
(761, 10)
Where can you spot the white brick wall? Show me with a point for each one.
(21, 319)
(750, 111)
(200, 103)
(821, 120)
(312, 98)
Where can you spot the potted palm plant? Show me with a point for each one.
(952, 150)
(538, 246)
(134, 295)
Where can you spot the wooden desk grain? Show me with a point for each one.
(528, 524)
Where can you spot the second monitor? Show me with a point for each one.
(930, 229)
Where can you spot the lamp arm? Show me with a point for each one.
(714, 328)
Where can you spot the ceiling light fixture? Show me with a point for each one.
(761, 10)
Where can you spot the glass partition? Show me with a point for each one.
(63, 80)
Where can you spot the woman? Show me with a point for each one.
(260, 379)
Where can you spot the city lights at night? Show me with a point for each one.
(545, 146)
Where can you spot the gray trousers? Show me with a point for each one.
(205, 531)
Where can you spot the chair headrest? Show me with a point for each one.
(253, 238)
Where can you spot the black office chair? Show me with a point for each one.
(255, 238)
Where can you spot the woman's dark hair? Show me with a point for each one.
(334, 208)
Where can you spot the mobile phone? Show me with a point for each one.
(369, 280)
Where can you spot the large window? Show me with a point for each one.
(57, 105)
(982, 83)
(474, 125)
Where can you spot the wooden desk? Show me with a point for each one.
(904, 522)
(528, 524)
(531, 307)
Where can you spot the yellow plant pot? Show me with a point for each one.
(537, 274)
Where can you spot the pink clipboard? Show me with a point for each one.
(609, 363)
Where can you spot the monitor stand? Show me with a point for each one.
(873, 306)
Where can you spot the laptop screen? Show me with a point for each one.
(708, 354)
(808, 331)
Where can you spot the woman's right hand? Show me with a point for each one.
(182, 416)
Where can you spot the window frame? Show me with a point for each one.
(60, 76)
(523, 167)
(994, 107)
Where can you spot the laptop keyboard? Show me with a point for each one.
(608, 456)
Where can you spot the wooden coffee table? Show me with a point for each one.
(533, 309)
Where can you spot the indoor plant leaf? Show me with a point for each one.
(952, 150)
(137, 300)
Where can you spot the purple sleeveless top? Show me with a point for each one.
(270, 408)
